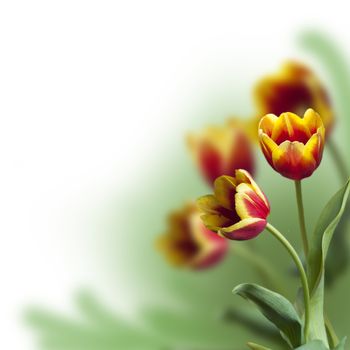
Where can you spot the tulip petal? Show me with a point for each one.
(208, 204)
(220, 150)
(289, 161)
(210, 161)
(312, 120)
(267, 123)
(244, 177)
(225, 190)
(201, 234)
(214, 214)
(244, 229)
(267, 145)
(290, 127)
(240, 155)
(249, 204)
(208, 258)
(314, 147)
(211, 247)
(188, 243)
(215, 221)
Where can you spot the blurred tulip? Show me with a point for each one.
(294, 89)
(292, 145)
(238, 209)
(221, 150)
(189, 243)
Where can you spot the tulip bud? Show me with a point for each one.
(222, 150)
(293, 146)
(238, 208)
(188, 243)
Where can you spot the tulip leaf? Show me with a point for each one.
(254, 346)
(313, 345)
(320, 243)
(338, 256)
(341, 345)
(276, 308)
(319, 345)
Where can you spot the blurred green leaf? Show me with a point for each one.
(254, 346)
(96, 328)
(276, 309)
(341, 345)
(320, 243)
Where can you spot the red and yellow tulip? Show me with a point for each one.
(292, 145)
(294, 89)
(238, 208)
(220, 150)
(188, 243)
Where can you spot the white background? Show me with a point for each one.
(89, 90)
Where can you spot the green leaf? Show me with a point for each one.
(313, 345)
(341, 345)
(276, 309)
(320, 242)
(338, 256)
(319, 345)
(254, 346)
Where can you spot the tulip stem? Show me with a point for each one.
(338, 159)
(277, 234)
(301, 217)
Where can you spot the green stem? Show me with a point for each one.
(339, 160)
(277, 234)
(261, 265)
(301, 217)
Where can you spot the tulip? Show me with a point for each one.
(294, 89)
(221, 150)
(238, 208)
(292, 145)
(188, 243)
